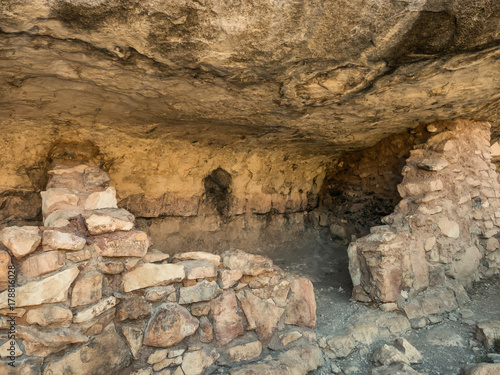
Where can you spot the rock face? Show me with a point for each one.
(454, 213)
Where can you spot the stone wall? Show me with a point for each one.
(442, 234)
(92, 296)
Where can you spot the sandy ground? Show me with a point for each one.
(446, 346)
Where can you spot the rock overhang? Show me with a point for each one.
(304, 75)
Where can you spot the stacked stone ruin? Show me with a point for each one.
(442, 235)
(93, 297)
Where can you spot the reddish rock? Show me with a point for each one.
(227, 322)
(43, 263)
(301, 308)
(206, 330)
(87, 289)
(169, 326)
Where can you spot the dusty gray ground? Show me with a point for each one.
(446, 346)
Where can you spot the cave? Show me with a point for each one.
(252, 187)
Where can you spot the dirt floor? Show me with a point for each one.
(446, 346)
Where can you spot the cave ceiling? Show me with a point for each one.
(337, 75)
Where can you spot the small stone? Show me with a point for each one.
(41, 264)
(449, 227)
(109, 220)
(365, 334)
(51, 289)
(434, 164)
(196, 363)
(55, 198)
(429, 243)
(387, 307)
(95, 310)
(483, 369)
(111, 267)
(340, 346)
(492, 244)
(131, 263)
(206, 330)
(101, 199)
(87, 289)
(123, 244)
(134, 336)
(408, 350)
(169, 326)
(80, 256)
(245, 352)
(50, 315)
(395, 369)
(290, 337)
(198, 269)
(157, 356)
(94, 176)
(228, 324)
(249, 264)
(43, 343)
(466, 313)
(155, 256)
(259, 283)
(21, 241)
(227, 278)
(175, 353)
(198, 255)
(56, 240)
(387, 355)
(144, 371)
(203, 291)
(150, 274)
(200, 309)
(60, 218)
(158, 293)
(167, 362)
(132, 308)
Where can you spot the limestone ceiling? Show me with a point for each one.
(336, 74)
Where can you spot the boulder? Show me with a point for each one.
(20, 241)
(228, 324)
(301, 304)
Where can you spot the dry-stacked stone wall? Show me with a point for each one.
(92, 296)
(442, 235)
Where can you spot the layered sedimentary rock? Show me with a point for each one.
(111, 292)
(442, 234)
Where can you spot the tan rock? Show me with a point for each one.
(197, 362)
(20, 241)
(79, 256)
(301, 309)
(395, 369)
(169, 326)
(340, 346)
(101, 199)
(158, 293)
(146, 371)
(228, 324)
(408, 350)
(60, 218)
(302, 359)
(109, 220)
(41, 264)
(133, 307)
(122, 244)
(178, 371)
(365, 334)
(56, 240)
(94, 176)
(387, 355)
(249, 264)
(157, 356)
(111, 267)
(43, 343)
(55, 198)
(466, 263)
(4, 269)
(487, 331)
(279, 293)
(131, 263)
(51, 289)
(449, 227)
(200, 309)
(175, 353)
(290, 337)
(202, 291)
(95, 326)
(245, 352)
(262, 315)
(150, 274)
(198, 269)
(95, 310)
(89, 359)
(10, 348)
(206, 330)
(87, 289)
(198, 255)
(155, 256)
(492, 244)
(484, 369)
(227, 278)
(167, 362)
(133, 336)
(50, 315)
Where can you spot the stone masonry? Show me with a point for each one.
(442, 235)
(93, 297)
